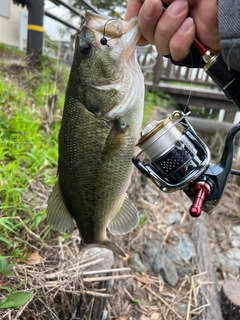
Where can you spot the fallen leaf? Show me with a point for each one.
(123, 318)
(155, 316)
(181, 230)
(32, 259)
(143, 317)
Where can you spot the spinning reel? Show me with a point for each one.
(180, 160)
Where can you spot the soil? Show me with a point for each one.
(58, 279)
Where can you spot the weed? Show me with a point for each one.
(28, 152)
(11, 50)
(153, 99)
(15, 299)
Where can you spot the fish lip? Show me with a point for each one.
(114, 28)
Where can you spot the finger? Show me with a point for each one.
(133, 7)
(168, 25)
(149, 16)
(182, 40)
(205, 16)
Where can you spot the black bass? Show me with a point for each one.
(100, 126)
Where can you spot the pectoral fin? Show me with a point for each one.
(115, 140)
(58, 215)
(125, 220)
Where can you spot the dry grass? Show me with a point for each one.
(63, 275)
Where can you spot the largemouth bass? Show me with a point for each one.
(100, 126)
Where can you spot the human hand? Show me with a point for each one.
(174, 31)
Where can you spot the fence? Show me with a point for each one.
(182, 83)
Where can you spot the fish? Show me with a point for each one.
(100, 126)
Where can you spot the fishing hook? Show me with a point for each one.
(104, 40)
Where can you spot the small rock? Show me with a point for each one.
(236, 229)
(235, 242)
(233, 254)
(181, 308)
(184, 248)
(155, 260)
(169, 272)
(107, 255)
(173, 217)
(183, 271)
(228, 265)
(136, 260)
(153, 255)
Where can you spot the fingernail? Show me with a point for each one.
(186, 26)
(149, 10)
(177, 7)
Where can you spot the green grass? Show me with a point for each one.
(153, 99)
(28, 144)
(11, 50)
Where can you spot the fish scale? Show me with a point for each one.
(97, 189)
(100, 127)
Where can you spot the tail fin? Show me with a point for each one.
(107, 244)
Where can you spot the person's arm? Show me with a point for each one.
(229, 29)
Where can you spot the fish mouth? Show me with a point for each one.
(111, 28)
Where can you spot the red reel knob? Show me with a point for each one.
(201, 190)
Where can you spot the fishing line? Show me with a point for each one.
(104, 41)
(191, 85)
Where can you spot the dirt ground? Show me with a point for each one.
(62, 274)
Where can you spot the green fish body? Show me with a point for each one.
(100, 126)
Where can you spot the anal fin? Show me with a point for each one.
(58, 216)
(125, 220)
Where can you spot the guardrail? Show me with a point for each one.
(186, 85)
(73, 10)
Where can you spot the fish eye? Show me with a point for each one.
(85, 48)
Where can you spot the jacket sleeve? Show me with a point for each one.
(229, 29)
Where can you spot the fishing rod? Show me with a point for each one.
(179, 159)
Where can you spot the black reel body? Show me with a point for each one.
(180, 160)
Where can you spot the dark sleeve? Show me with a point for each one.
(229, 29)
(192, 60)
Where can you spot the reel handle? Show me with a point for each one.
(201, 190)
